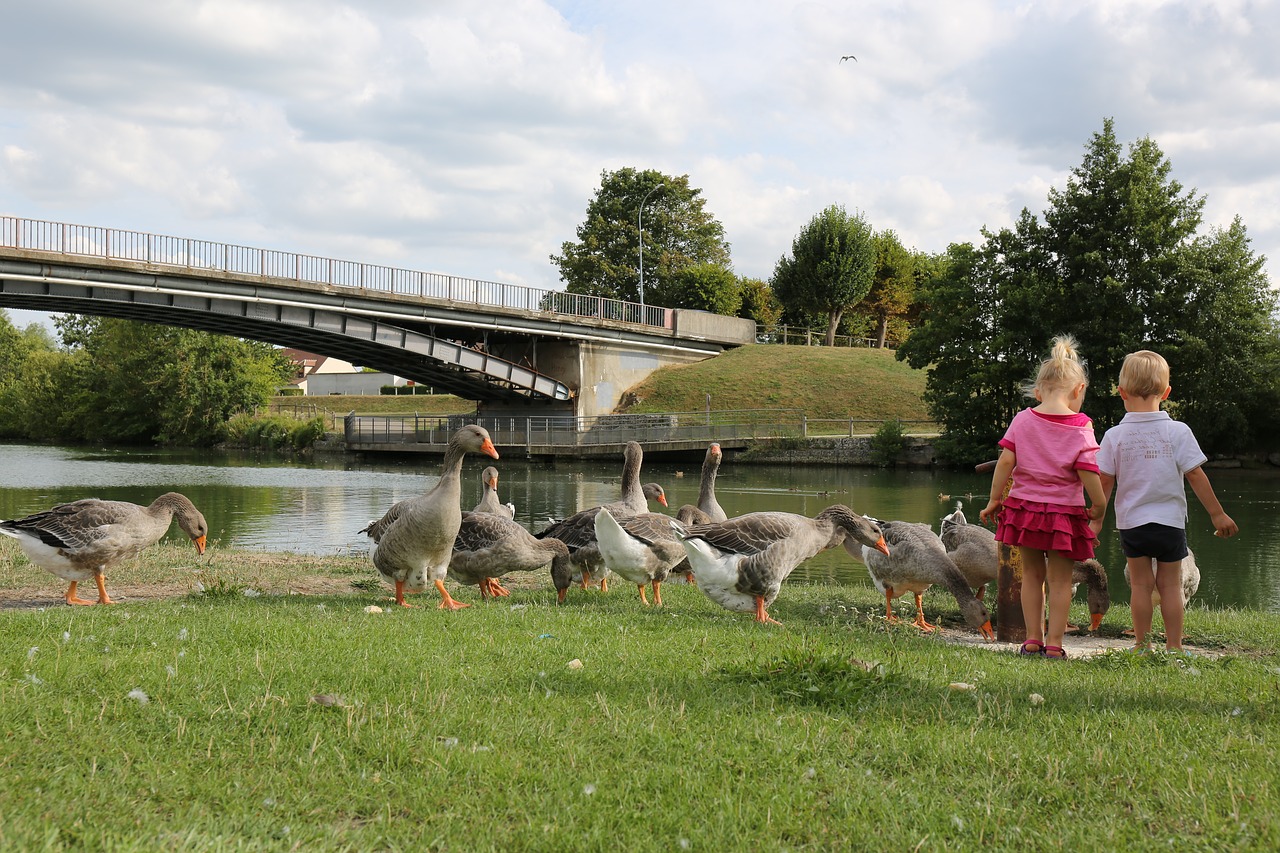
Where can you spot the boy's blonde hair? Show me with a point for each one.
(1062, 369)
(1144, 374)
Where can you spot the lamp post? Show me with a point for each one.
(640, 228)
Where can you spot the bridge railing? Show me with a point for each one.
(161, 250)
(651, 430)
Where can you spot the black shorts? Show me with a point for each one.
(1160, 542)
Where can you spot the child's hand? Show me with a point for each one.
(1224, 526)
(1095, 525)
(987, 516)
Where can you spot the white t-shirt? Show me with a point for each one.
(1149, 454)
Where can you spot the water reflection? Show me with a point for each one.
(268, 503)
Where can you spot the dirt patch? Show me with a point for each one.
(1075, 645)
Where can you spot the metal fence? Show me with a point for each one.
(652, 430)
(189, 254)
(861, 426)
(782, 334)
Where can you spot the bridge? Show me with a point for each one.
(516, 350)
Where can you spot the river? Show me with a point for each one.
(269, 503)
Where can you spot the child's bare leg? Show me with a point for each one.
(1033, 574)
(1141, 583)
(1172, 610)
(1059, 579)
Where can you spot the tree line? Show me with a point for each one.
(1118, 258)
(123, 382)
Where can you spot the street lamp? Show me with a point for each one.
(640, 228)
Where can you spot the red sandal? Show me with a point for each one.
(1032, 648)
(1054, 653)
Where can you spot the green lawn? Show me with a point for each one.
(279, 721)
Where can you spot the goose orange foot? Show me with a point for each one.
(920, 620)
(447, 601)
(72, 598)
(761, 616)
(497, 589)
(643, 600)
(400, 595)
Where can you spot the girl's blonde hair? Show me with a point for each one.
(1062, 369)
(1144, 374)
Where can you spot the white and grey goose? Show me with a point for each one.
(916, 561)
(489, 546)
(489, 501)
(578, 531)
(413, 542)
(641, 549)
(83, 539)
(708, 509)
(741, 563)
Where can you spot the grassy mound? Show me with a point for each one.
(824, 382)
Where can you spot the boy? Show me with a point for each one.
(1146, 456)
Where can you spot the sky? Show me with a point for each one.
(468, 138)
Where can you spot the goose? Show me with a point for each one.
(707, 503)
(741, 563)
(641, 549)
(916, 561)
(488, 546)
(1190, 583)
(708, 508)
(413, 542)
(82, 539)
(490, 502)
(578, 530)
(583, 535)
(973, 549)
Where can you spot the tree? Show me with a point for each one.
(759, 303)
(893, 285)
(679, 233)
(705, 287)
(1116, 262)
(139, 382)
(830, 268)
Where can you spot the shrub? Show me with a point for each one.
(887, 443)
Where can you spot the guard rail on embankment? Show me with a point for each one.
(604, 435)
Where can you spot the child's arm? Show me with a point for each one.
(1004, 467)
(1222, 524)
(1106, 482)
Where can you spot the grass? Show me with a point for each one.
(278, 721)
(381, 404)
(824, 382)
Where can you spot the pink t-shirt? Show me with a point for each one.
(1049, 450)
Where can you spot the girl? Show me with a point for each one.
(1050, 451)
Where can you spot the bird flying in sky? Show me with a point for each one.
(850, 56)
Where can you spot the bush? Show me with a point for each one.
(273, 432)
(289, 392)
(887, 443)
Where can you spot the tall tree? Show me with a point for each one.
(893, 285)
(679, 233)
(830, 268)
(1117, 263)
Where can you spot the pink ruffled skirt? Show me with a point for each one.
(1046, 527)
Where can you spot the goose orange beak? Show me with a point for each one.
(662, 499)
(1094, 621)
(199, 543)
(988, 634)
(493, 483)
(882, 547)
(488, 449)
